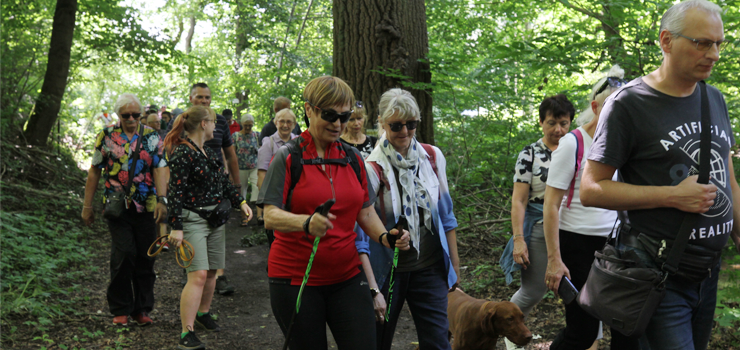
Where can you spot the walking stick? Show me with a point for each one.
(401, 225)
(324, 211)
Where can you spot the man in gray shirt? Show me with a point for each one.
(650, 131)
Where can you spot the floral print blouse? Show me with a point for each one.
(246, 147)
(196, 181)
(114, 154)
(532, 167)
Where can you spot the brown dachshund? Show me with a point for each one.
(476, 324)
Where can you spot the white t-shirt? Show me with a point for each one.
(589, 221)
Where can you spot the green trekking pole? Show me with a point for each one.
(323, 210)
(401, 225)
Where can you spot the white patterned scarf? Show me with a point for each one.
(419, 185)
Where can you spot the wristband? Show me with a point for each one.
(380, 239)
(244, 201)
(392, 239)
(305, 225)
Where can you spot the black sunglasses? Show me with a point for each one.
(331, 115)
(614, 82)
(410, 125)
(129, 115)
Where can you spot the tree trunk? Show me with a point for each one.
(388, 36)
(191, 32)
(49, 101)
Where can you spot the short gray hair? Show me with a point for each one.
(673, 18)
(587, 114)
(125, 100)
(247, 118)
(397, 101)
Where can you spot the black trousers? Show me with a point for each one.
(131, 288)
(346, 307)
(581, 329)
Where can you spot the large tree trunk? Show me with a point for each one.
(49, 101)
(388, 36)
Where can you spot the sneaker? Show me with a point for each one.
(207, 322)
(120, 320)
(190, 342)
(165, 248)
(512, 346)
(142, 319)
(223, 286)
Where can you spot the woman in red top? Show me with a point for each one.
(336, 292)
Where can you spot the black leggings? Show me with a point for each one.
(346, 307)
(577, 252)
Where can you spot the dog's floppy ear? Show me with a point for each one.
(487, 320)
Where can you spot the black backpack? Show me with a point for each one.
(296, 167)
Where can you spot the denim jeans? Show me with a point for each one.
(426, 292)
(685, 316)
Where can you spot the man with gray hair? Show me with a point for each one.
(136, 172)
(650, 131)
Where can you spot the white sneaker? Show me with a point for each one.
(512, 346)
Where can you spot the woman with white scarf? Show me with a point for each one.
(408, 184)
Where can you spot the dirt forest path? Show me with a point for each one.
(245, 317)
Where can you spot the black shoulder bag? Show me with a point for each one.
(621, 290)
(117, 202)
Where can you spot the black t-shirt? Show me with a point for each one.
(653, 139)
(270, 129)
(366, 147)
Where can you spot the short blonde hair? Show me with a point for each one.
(397, 101)
(328, 91)
(283, 114)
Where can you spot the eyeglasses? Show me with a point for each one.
(704, 44)
(129, 115)
(331, 115)
(410, 125)
(614, 82)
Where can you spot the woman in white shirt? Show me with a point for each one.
(574, 232)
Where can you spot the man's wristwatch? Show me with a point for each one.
(162, 199)
(374, 292)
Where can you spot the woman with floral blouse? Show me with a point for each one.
(246, 145)
(198, 182)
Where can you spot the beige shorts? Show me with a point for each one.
(209, 244)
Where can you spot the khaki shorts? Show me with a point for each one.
(209, 244)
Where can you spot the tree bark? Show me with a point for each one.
(49, 101)
(191, 32)
(373, 36)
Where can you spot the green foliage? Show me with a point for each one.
(40, 252)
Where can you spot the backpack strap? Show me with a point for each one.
(579, 158)
(432, 156)
(297, 162)
(383, 182)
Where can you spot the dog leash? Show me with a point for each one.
(183, 256)
(324, 211)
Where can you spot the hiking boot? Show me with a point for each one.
(120, 320)
(223, 287)
(207, 322)
(190, 342)
(142, 319)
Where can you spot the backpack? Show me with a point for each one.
(296, 168)
(431, 156)
(579, 158)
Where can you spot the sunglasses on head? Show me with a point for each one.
(410, 125)
(358, 104)
(129, 115)
(331, 115)
(614, 82)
